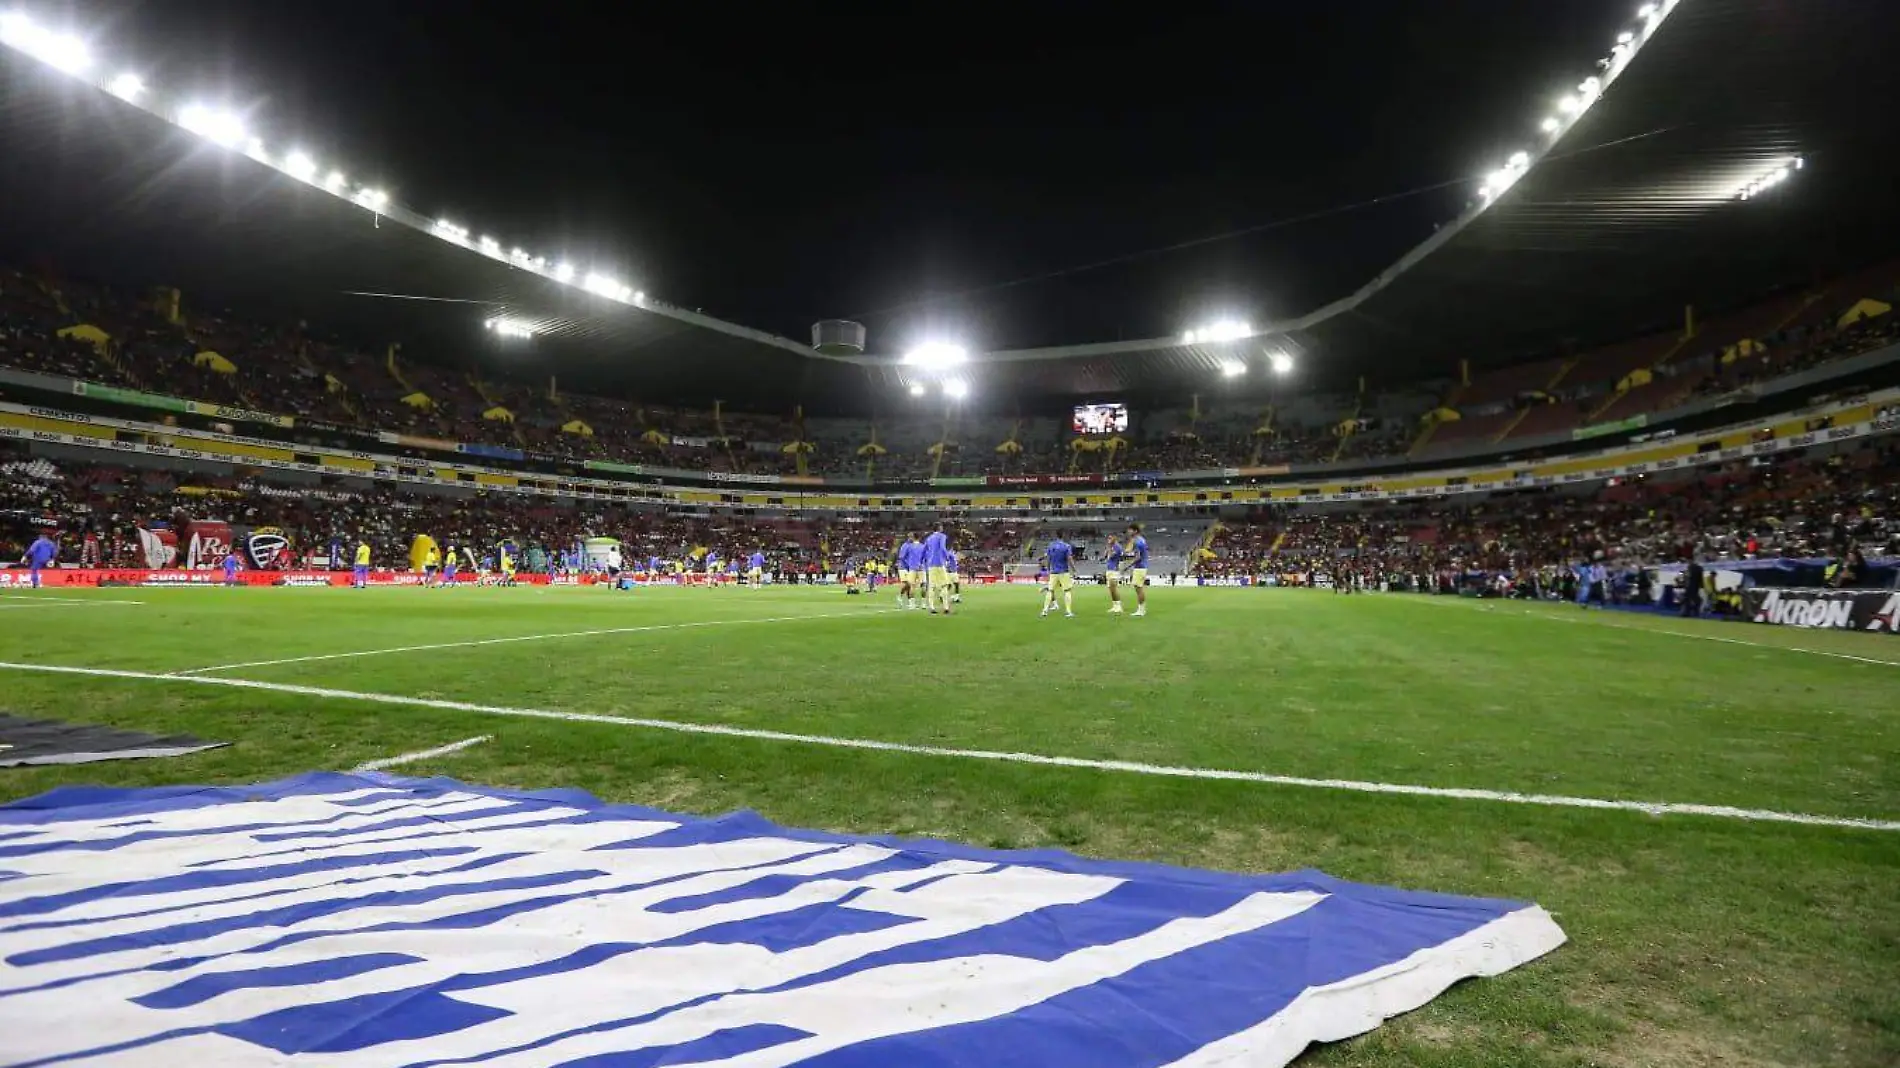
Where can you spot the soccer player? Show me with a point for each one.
(1112, 557)
(910, 561)
(430, 560)
(1061, 578)
(713, 568)
(755, 570)
(230, 566)
(956, 581)
(937, 570)
(450, 562)
(41, 554)
(507, 567)
(1138, 571)
(359, 576)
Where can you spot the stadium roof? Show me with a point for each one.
(1632, 215)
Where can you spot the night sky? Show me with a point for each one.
(943, 170)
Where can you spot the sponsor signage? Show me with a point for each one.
(1597, 430)
(115, 395)
(1874, 610)
(241, 415)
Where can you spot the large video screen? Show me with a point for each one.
(1101, 418)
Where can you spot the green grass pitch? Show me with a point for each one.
(1695, 940)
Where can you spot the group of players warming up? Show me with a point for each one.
(927, 573)
(1121, 560)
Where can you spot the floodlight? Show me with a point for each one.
(503, 326)
(1625, 37)
(1645, 11)
(1520, 159)
(490, 246)
(639, 296)
(255, 149)
(1551, 125)
(213, 124)
(128, 87)
(956, 389)
(1568, 105)
(1282, 363)
(61, 51)
(1187, 338)
(563, 272)
(373, 199)
(300, 166)
(916, 389)
(937, 356)
(1224, 330)
(453, 232)
(1232, 368)
(335, 182)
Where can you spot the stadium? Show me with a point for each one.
(426, 643)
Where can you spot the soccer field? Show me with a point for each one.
(1507, 750)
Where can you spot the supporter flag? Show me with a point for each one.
(266, 549)
(379, 920)
(158, 545)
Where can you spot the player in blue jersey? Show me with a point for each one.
(1061, 559)
(713, 567)
(755, 570)
(1138, 567)
(910, 562)
(230, 566)
(956, 581)
(40, 555)
(1112, 557)
(937, 570)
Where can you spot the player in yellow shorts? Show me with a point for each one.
(1112, 557)
(1061, 578)
(1138, 549)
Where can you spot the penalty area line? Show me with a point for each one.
(522, 638)
(1653, 808)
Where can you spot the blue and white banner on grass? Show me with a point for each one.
(359, 920)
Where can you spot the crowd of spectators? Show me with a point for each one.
(112, 503)
(296, 370)
(1794, 506)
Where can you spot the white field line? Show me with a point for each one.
(421, 754)
(1653, 808)
(1596, 619)
(525, 638)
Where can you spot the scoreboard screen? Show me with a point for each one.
(1100, 418)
